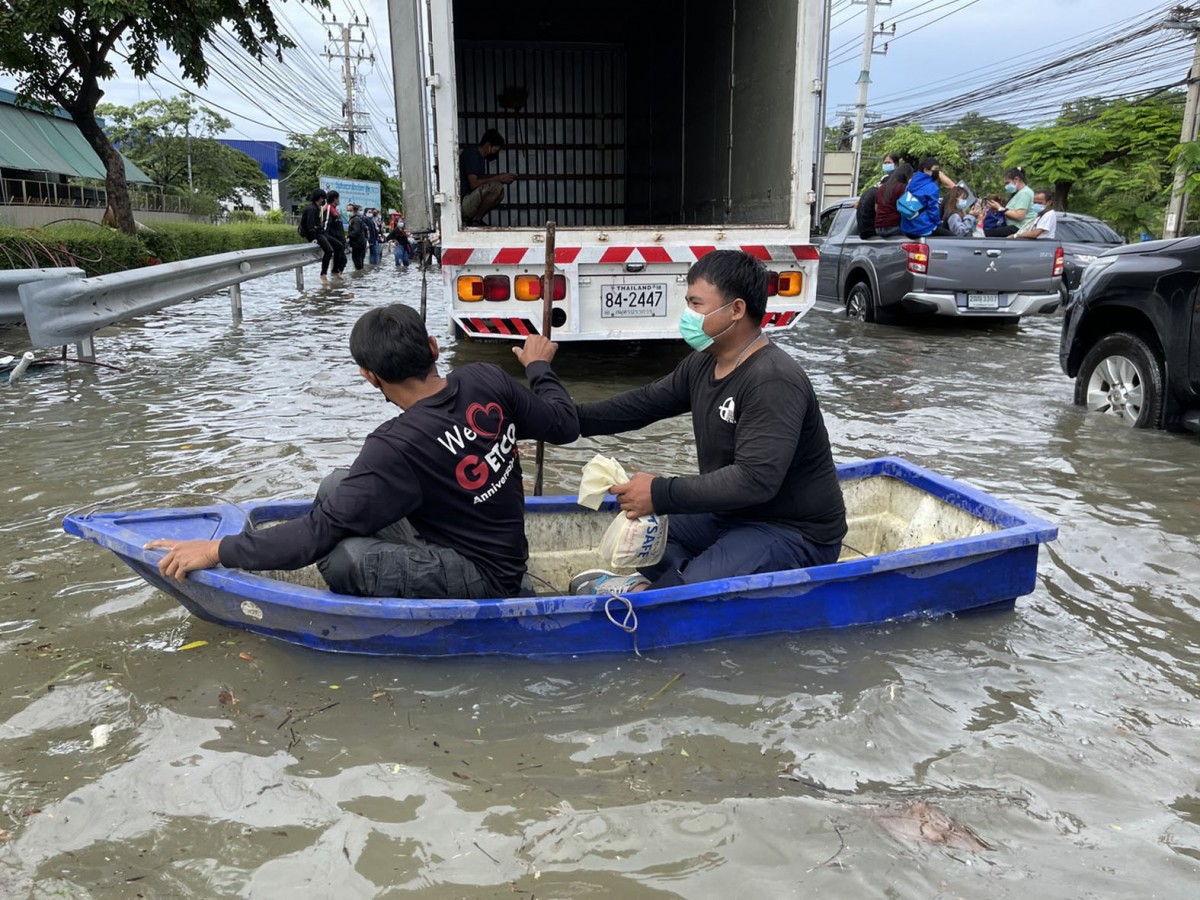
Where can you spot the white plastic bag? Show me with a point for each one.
(628, 543)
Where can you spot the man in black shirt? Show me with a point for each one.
(767, 497)
(480, 191)
(433, 507)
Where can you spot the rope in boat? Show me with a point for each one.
(624, 624)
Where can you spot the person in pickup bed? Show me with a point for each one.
(925, 218)
(1045, 225)
(1017, 211)
(767, 496)
(956, 212)
(887, 217)
(865, 207)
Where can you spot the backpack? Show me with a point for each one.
(909, 206)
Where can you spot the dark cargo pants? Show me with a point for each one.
(396, 562)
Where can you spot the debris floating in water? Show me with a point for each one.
(100, 736)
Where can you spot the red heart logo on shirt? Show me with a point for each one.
(485, 421)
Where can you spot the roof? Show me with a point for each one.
(50, 142)
(265, 153)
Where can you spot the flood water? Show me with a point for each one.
(1063, 732)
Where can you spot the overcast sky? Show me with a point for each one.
(941, 48)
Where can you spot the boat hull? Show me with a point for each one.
(979, 570)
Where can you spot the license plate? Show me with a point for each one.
(631, 301)
(983, 301)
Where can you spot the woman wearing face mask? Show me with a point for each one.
(865, 209)
(887, 217)
(1017, 211)
(1045, 219)
(957, 219)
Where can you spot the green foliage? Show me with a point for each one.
(1107, 158)
(307, 157)
(159, 134)
(274, 217)
(99, 250)
(913, 143)
(60, 53)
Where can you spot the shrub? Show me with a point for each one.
(99, 250)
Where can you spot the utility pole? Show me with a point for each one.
(1183, 18)
(349, 64)
(864, 79)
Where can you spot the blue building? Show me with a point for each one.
(269, 156)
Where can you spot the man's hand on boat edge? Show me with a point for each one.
(185, 556)
(536, 349)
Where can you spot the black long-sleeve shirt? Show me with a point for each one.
(761, 442)
(449, 464)
(310, 222)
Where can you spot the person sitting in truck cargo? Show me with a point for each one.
(887, 217)
(1017, 211)
(920, 216)
(767, 495)
(994, 224)
(481, 191)
(1045, 224)
(956, 212)
(434, 505)
(865, 207)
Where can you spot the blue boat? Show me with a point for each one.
(919, 545)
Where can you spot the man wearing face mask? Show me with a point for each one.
(480, 191)
(767, 496)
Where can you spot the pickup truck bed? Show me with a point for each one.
(882, 279)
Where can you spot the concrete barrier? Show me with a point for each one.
(12, 279)
(62, 311)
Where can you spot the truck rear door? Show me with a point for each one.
(988, 270)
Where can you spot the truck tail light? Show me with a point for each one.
(470, 288)
(790, 284)
(1058, 262)
(918, 258)
(529, 287)
(772, 284)
(496, 287)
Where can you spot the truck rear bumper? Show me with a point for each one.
(950, 304)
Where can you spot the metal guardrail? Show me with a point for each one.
(65, 311)
(12, 279)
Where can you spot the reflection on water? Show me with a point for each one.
(1058, 731)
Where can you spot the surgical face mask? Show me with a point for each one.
(963, 203)
(1039, 208)
(691, 327)
(889, 168)
(1010, 187)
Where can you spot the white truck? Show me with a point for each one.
(650, 133)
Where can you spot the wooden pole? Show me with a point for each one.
(547, 327)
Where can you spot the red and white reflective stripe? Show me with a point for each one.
(599, 254)
(497, 325)
(778, 319)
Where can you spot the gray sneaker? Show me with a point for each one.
(599, 581)
(585, 580)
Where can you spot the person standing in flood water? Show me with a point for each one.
(434, 505)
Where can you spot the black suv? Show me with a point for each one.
(1083, 238)
(1131, 335)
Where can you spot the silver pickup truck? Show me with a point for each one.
(885, 279)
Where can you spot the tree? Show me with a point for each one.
(159, 135)
(309, 156)
(60, 53)
(913, 143)
(1109, 158)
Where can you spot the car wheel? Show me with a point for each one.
(1122, 375)
(860, 303)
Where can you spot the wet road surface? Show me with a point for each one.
(1062, 733)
